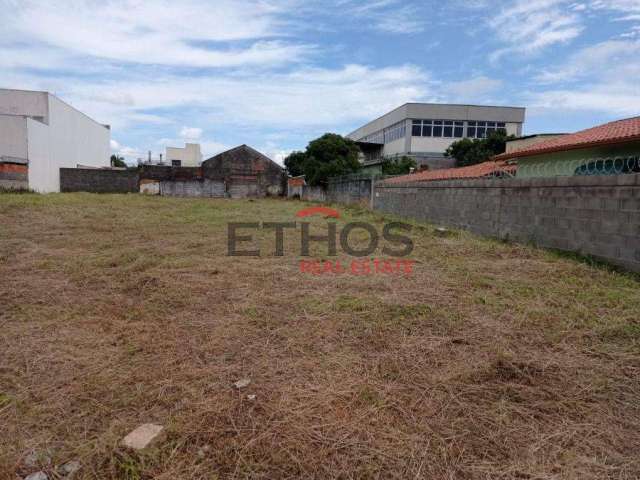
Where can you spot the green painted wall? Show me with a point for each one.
(566, 163)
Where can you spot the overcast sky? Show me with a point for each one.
(276, 73)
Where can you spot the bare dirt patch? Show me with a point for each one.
(490, 361)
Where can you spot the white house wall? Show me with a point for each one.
(70, 139)
(395, 148)
(24, 103)
(39, 161)
(13, 137)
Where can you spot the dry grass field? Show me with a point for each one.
(491, 361)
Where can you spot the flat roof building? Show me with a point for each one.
(189, 156)
(39, 134)
(424, 131)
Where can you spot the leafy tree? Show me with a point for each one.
(398, 166)
(331, 155)
(117, 161)
(470, 152)
(294, 163)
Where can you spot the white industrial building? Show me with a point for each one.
(189, 156)
(39, 134)
(424, 131)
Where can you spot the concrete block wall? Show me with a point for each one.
(98, 180)
(590, 215)
(348, 190)
(313, 194)
(192, 188)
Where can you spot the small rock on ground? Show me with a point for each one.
(70, 468)
(34, 458)
(245, 382)
(144, 436)
(37, 476)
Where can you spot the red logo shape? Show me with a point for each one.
(324, 211)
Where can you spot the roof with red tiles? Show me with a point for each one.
(620, 131)
(480, 170)
(297, 182)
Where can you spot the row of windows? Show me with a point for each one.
(454, 128)
(436, 128)
(388, 135)
(395, 132)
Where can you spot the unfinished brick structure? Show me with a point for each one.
(13, 175)
(245, 173)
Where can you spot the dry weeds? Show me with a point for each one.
(491, 361)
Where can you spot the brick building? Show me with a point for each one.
(245, 172)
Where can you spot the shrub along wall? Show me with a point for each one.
(591, 215)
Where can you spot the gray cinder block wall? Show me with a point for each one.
(98, 181)
(350, 190)
(590, 215)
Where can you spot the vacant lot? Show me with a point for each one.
(490, 361)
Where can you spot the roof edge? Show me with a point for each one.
(554, 149)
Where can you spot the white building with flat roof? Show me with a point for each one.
(39, 134)
(189, 156)
(424, 131)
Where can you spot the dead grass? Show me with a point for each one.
(491, 361)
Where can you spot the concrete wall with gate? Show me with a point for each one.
(590, 215)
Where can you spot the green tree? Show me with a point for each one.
(294, 163)
(331, 155)
(470, 152)
(397, 166)
(117, 161)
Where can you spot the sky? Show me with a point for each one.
(276, 74)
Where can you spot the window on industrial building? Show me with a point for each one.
(471, 129)
(458, 131)
(454, 128)
(484, 129)
(395, 132)
(448, 129)
(176, 163)
(416, 129)
(437, 128)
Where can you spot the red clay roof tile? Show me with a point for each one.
(474, 171)
(619, 131)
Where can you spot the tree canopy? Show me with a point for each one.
(470, 152)
(117, 161)
(331, 155)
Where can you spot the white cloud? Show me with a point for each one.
(387, 16)
(612, 58)
(529, 26)
(162, 32)
(190, 134)
(115, 146)
(210, 148)
(475, 88)
(303, 98)
(607, 73)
